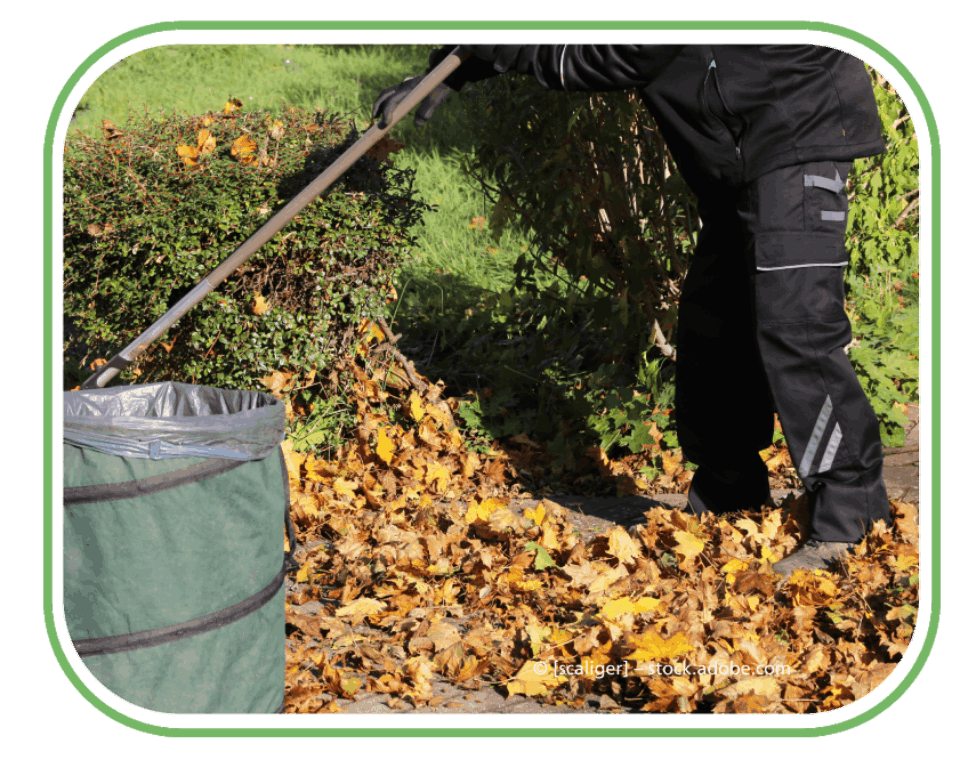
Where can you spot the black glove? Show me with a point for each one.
(474, 68)
(498, 56)
(390, 98)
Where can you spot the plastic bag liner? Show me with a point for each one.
(172, 419)
(175, 498)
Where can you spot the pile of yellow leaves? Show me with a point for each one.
(418, 564)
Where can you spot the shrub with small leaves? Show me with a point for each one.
(152, 208)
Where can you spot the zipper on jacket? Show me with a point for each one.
(737, 138)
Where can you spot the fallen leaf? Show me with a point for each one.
(385, 446)
(259, 306)
(205, 141)
(244, 150)
(535, 678)
(651, 647)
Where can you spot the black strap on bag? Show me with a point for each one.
(289, 563)
(132, 641)
(131, 489)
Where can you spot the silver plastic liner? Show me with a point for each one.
(172, 419)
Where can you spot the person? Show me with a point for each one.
(765, 136)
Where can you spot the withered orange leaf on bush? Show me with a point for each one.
(110, 131)
(382, 150)
(244, 150)
(188, 154)
(205, 141)
(260, 305)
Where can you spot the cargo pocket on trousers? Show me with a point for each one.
(799, 278)
(825, 196)
(798, 251)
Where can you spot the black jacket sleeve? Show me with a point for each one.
(563, 67)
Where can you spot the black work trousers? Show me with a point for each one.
(762, 328)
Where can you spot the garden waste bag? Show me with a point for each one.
(175, 498)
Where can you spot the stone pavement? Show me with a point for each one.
(591, 516)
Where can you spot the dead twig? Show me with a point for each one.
(421, 384)
(906, 212)
(904, 449)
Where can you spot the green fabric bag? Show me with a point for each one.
(174, 565)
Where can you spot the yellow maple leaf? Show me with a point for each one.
(645, 604)
(651, 647)
(538, 635)
(906, 562)
(275, 382)
(734, 565)
(483, 510)
(535, 678)
(244, 150)
(438, 416)
(416, 406)
(205, 141)
(419, 671)
(622, 546)
(370, 330)
(469, 463)
(608, 577)
(624, 605)
(188, 154)
(617, 608)
(536, 515)
(688, 545)
(315, 468)
(732, 568)
(361, 607)
(232, 106)
(439, 473)
(548, 536)
(259, 306)
(671, 463)
(385, 446)
(345, 487)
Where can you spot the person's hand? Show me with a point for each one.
(390, 98)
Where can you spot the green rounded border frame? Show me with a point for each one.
(683, 728)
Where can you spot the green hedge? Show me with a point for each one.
(149, 210)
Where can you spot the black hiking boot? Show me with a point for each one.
(726, 491)
(813, 555)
